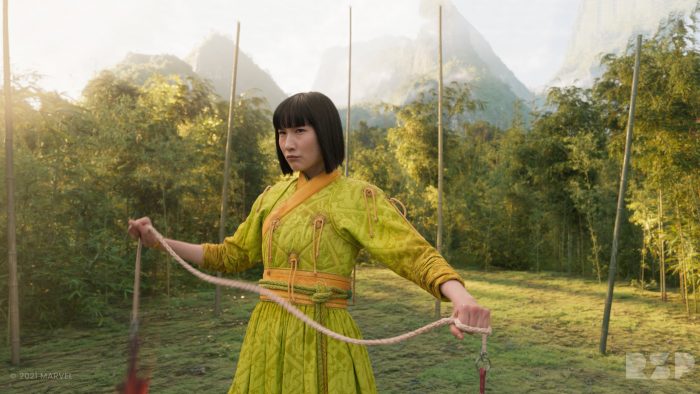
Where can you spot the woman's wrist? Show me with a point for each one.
(454, 290)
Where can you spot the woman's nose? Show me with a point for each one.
(289, 144)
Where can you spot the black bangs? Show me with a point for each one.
(295, 111)
(317, 110)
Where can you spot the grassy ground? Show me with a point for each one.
(546, 332)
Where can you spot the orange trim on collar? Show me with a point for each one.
(303, 180)
(305, 189)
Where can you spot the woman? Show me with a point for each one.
(307, 231)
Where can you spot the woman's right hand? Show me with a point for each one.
(140, 228)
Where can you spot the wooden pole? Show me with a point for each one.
(439, 226)
(227, 161)
(683, 267)
(662, 254)
(165, 226)
(347, 119)
(620, 200)
(347, 123)
(13, 297)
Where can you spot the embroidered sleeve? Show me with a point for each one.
(243, 249)
(377, 225)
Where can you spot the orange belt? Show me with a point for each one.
(306, 279)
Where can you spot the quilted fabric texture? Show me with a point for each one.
(325, 232)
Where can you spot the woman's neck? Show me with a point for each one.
(312, 172)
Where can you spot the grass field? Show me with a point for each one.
(546, 332)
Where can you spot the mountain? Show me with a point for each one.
(138, 67)
(607, 26)
(213, 60)
(395, 69)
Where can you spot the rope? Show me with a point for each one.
(137, 286)
(310, 322)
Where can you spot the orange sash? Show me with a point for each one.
(305, 189)
(308, 279)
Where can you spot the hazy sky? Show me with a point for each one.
(68, 41)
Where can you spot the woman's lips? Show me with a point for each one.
(292, 158)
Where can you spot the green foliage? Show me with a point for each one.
(125, 151)
(666, 158)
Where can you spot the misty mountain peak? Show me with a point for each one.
(213, 60)
(606, 26)
(387, 68)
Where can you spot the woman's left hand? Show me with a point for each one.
(470, 314)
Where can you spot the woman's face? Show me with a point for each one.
(301, 149)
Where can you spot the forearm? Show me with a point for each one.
(455, 291)
(193, 253)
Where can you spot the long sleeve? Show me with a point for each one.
(240, 251)
(375, 224)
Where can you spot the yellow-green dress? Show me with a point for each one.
(320, 224)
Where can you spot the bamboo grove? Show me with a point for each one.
(537, 195)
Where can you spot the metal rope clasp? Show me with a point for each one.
(483, 361)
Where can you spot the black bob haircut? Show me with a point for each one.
(318, 111)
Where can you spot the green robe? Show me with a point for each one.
(279, 352)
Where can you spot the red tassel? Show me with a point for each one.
(133, 384)
(482, 380)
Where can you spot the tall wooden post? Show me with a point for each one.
(347, 119)
(165, 227)
(227, 161)
(620, 200)
(439, 208)
(662, 242)
(13, 297)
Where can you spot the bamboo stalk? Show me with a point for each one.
(581, 260)
(165, 226)
(662, 255)
(569, 249)
(439, 229)
(227, 162)
(13, 297)
(682, 269)
(693, 276)
(347, 119)
(644, 253)
(695, 294)
(621, 200)
(347, 122)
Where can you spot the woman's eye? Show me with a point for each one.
(300, 130)
(281, 132)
